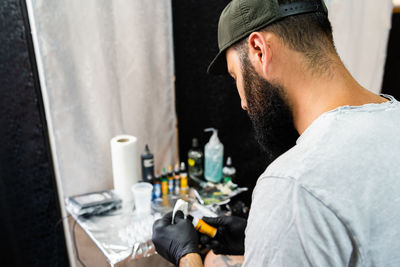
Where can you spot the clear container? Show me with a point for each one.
(142, 197)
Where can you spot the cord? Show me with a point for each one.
(73, 237)
(76, 247)
(60, 220)
(55, 232)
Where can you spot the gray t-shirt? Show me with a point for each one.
(334, 198)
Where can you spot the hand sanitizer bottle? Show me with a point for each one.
(214, 155)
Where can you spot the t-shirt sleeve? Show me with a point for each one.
(289, 226)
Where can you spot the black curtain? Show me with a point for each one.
(30, 235)
(391, 78)
(205, 101)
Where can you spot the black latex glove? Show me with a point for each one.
(173, 241)
(229, 239)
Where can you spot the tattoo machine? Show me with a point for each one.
(200, 225)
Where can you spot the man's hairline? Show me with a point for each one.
(238, 47)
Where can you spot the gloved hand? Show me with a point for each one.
(229, 239)
(173, 241)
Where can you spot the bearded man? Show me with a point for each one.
(333, 199)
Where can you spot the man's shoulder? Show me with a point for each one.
(339, 137)
(280, 207)
(289, 165)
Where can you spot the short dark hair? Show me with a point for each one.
(309, 34)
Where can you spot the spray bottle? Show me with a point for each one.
(214, 155)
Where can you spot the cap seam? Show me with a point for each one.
(239, 37)
(277, 6)
(245, 20)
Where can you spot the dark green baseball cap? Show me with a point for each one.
(242, 17)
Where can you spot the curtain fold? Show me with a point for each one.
(106, 69)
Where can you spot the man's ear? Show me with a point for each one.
(260, 53)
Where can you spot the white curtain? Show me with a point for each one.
(106, 68)
(361, 30)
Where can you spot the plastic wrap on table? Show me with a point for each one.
(122, 234)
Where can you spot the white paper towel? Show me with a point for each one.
(125, 165)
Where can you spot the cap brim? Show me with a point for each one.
(218, 66)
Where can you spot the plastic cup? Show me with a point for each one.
(142, 197)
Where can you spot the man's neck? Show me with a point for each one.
(310, 95)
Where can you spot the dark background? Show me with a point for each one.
(391, 78)
(28, 196)
(29, 208)
(204, 100)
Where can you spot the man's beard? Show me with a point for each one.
(269, 113)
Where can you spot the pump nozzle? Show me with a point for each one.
(214, 138)
(211, 130)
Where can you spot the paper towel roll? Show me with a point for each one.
(125, 165)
